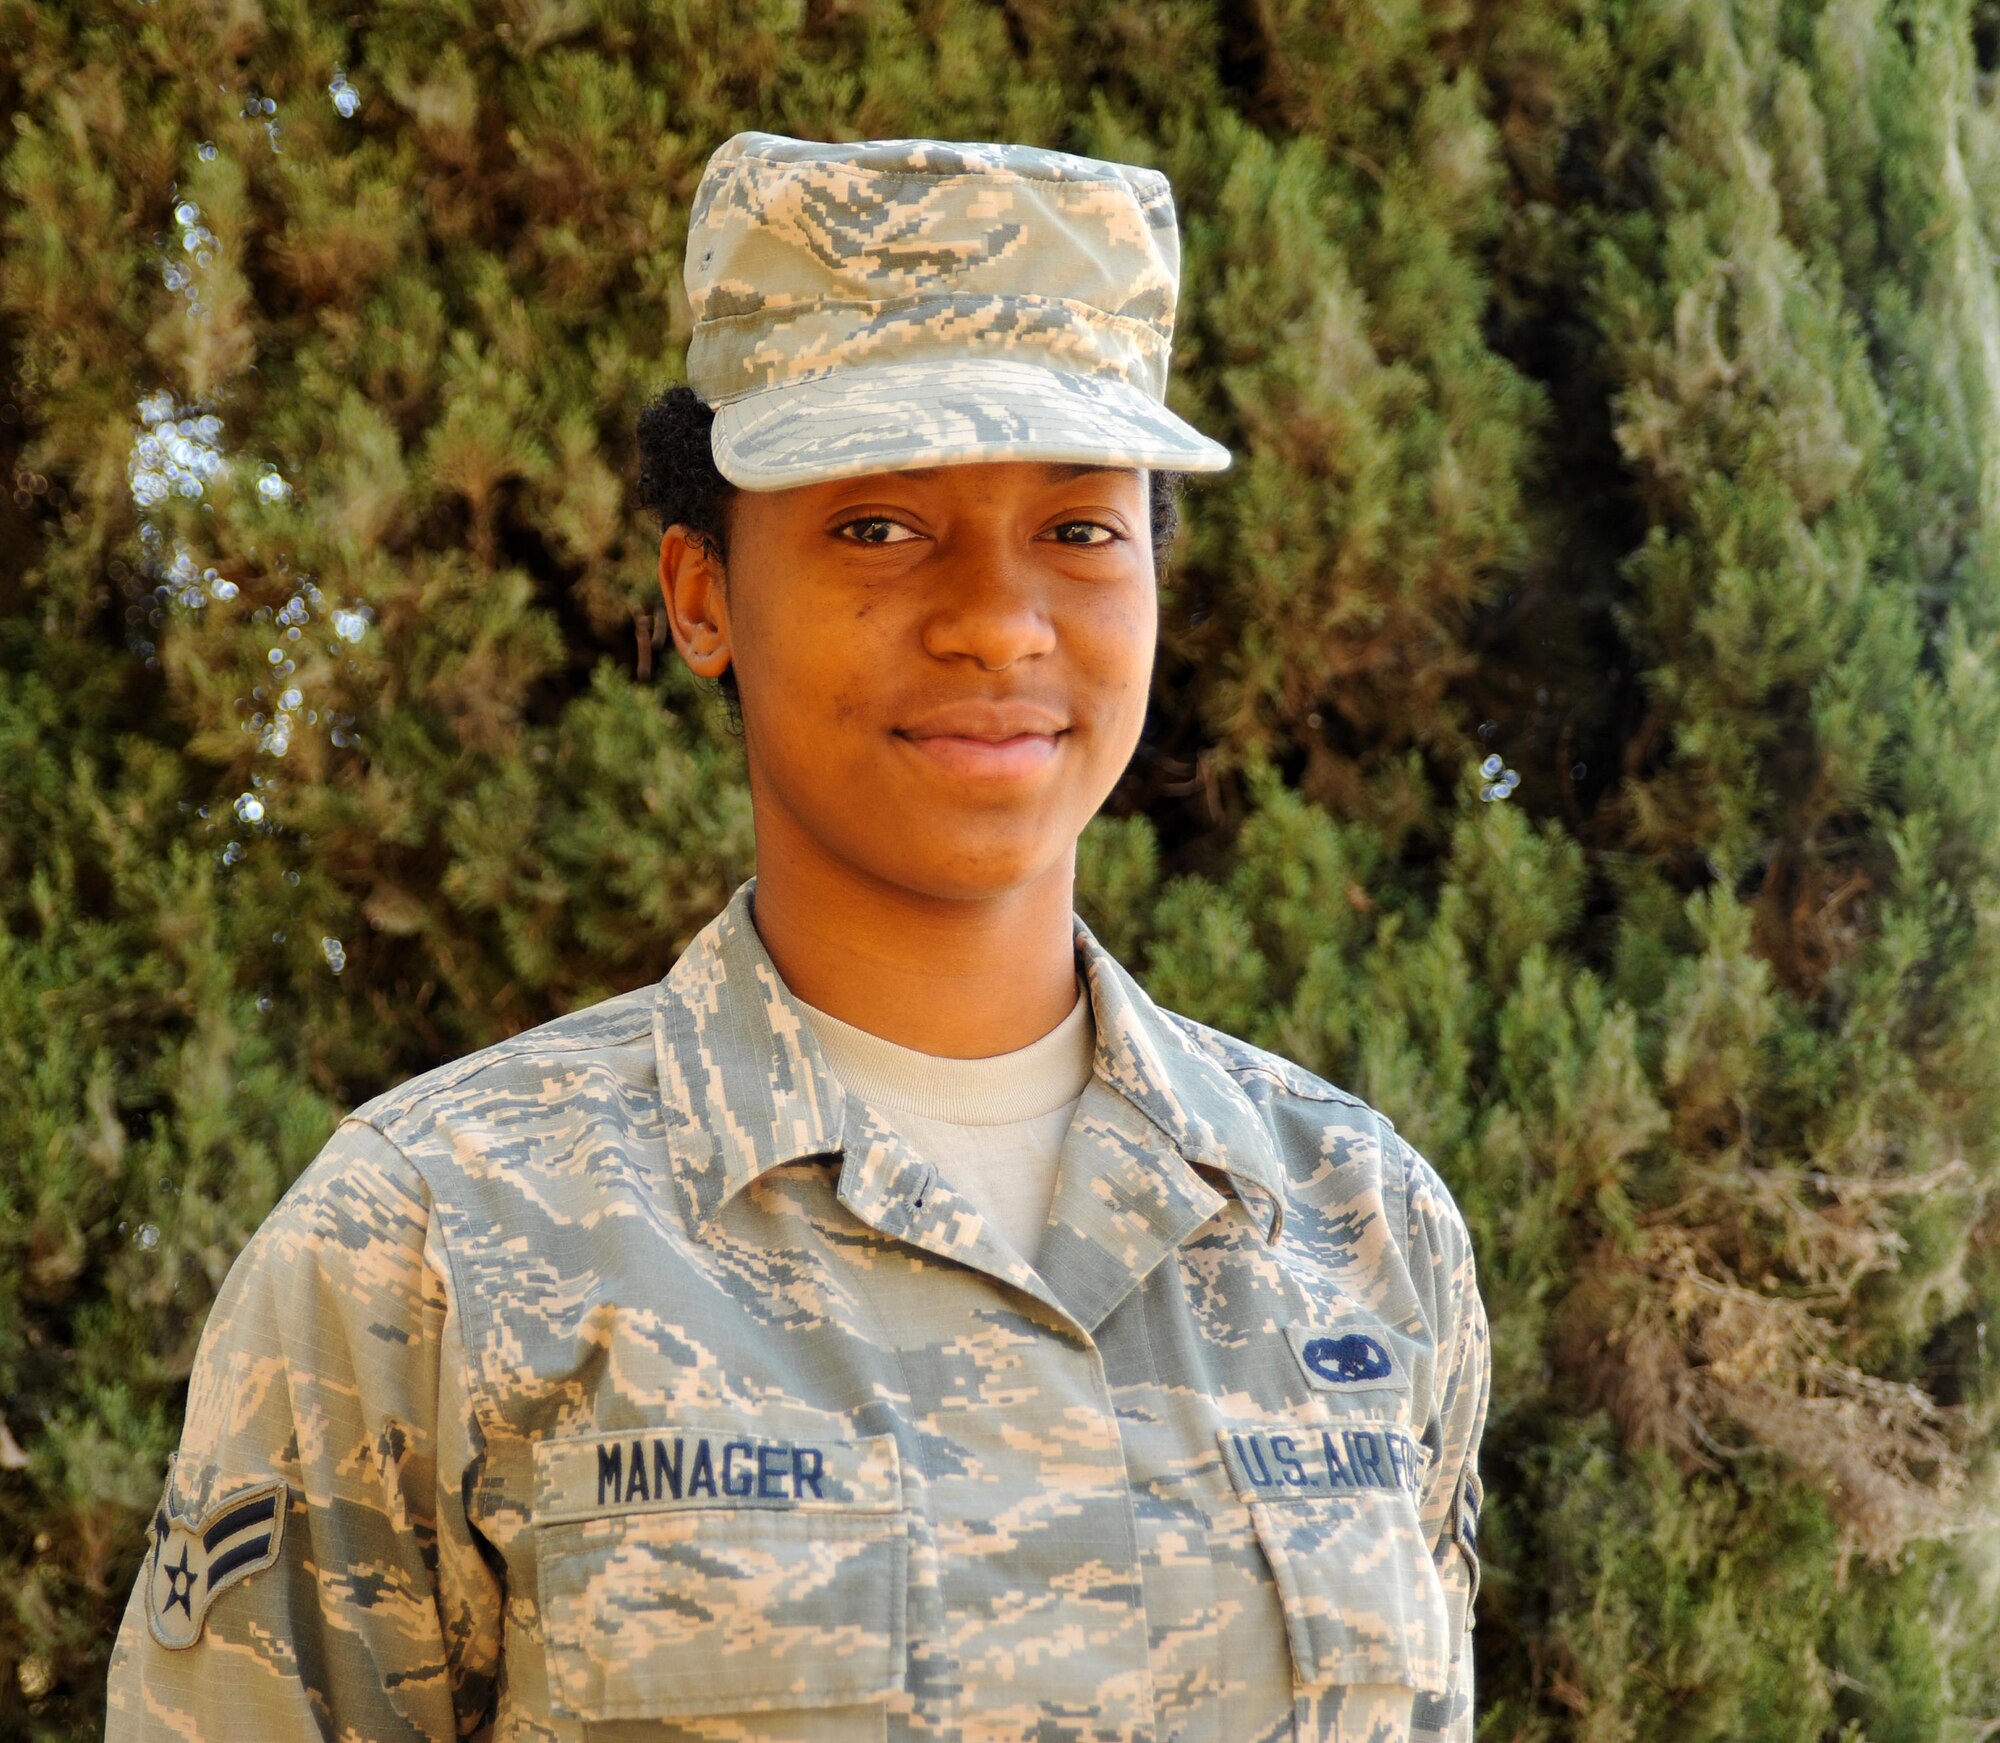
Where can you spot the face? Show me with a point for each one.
(943, 672)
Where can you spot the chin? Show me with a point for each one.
(979, 873)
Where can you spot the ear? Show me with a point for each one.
(693, 585)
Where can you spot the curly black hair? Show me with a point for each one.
(679, 482)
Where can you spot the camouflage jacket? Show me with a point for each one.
(629, 1378)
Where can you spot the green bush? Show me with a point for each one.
(1577, 723)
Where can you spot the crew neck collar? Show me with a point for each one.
(991, 1091)
(745, 1086)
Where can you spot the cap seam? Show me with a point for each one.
(792, 165)
(849, 369)
(1101, 313)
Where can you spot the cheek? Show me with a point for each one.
(1122, 647)
(791, 653)
(820, 687)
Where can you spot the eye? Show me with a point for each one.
(878, 528)
(1070, 526)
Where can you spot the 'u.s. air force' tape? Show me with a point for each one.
(192, 1561)
(1308, 1461)
(679, 1467)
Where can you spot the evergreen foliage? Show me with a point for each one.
(1577, 725)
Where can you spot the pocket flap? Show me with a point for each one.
(1334, 1506)
(690, 1571)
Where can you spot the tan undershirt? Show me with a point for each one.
(992, 1127)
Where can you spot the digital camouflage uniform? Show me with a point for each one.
(629, 1379)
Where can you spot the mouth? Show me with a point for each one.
(993, 744)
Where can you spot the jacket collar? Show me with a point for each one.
(745, 1088)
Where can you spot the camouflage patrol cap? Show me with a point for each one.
(890, 303)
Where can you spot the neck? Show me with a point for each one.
(959, 977)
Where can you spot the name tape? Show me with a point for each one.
(1298, 1464)
(667, 1468)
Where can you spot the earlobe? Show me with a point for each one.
(691, 587)
(705, 651)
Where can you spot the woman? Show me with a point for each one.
(892, 1323)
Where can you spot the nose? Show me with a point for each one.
(992, 605)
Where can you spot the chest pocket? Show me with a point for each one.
(1334, 1506)
(692, 1571)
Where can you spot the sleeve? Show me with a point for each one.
(1441, 1261)
(311, 1570)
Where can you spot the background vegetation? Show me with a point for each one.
(1577, 725)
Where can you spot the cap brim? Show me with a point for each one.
(884, 419)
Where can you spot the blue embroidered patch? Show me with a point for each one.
(1348, 1357)
(193, 1561)
(1354, 1357)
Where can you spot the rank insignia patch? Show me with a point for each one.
(191, 1561)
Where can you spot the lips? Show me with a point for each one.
(994, 722)
(982, 738)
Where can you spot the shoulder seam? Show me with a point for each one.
(472, 1064)
(489, 1422)
(1332, 1094)
(1250, 1068)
